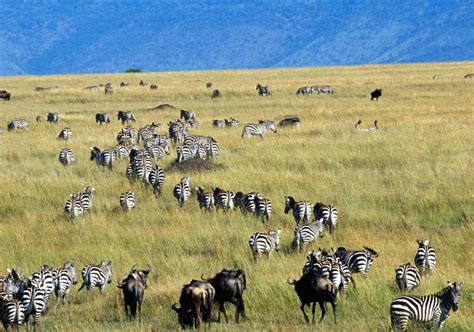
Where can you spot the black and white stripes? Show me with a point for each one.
(103, 158)
(127, 200)
(65, 134)
(66, 157)
(302, 210)
(407, 277)
(307, 233)
(182, 191)
(425, 258)
(17, 124)
(264, 243)
(258, 129)
(96, 275)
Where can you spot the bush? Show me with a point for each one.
(133, 70)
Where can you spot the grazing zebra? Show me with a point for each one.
(232, 122)
(126, 135)
(156, 178)
(435, 307)
(305, 90)
(205, 199)
(66, 277)
(52, 117)
(158, 152)
(219, 123)
(223, 199)
(264, 243)
(65, 134)
(329, 215)
(246, 202)
(121, 151)
(307, 233)
(182, 191)
(125, 117)
(263, 208)
(108, 89)
(127, 200)
(73, 206)
(87, 197)
(148, 131)
(12, 314)
(407, 277)
(213, 150)
(96, 276)
(301, 210)
(66, 157)
(17, 124)
(101, 118)
(367, 130)
(358, 261)
(425, 258)
(140, 165)
(254, 129)
(187, 115)
(292, 121)
(322, 89)
(33, 300)
(103, 158)
(263, 90)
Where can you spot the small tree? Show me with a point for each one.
(133, 70)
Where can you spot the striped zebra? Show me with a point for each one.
(96, 275)
(263, 90)
(52, 117)
(205, 199)
(156, 179)
(101, 118)
(232, 122)
(304, 90)
(223, 199)
(45, 280)
(108, 89)
(177, 131)
(329, 215)
(140, 165)
(188, 151)
(182, 191)
(264, 243)
(66, 277)
(87, 197)
(17, 124)
(246, 202)
(193, 124)
(126, 136)
(425, 258)
(293, 121)
(307, 233)
(103, 158)
(407, 277)
(187, 115)
(434, 308)
(219, 123)
(322, 89)
(358, 261)
(213, 150)
(66, 157)
(33, 300)
(158, 151)
(121, 151)
(73, 206)
(125, 117)
(260, 129)
(148, 131)
(200, 140)
(161, 140)
(341, 271)
(12, 314)
(65, 134)
(127, 200)
(263, 208)
(373, 129)
(302, 210)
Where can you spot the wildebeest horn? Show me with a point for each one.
(290, 283)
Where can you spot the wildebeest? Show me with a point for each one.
(133, 287)
(290, 121)
(209, 85)
(263, 90)
(122, 84)
(101, 118)
(153, 87)
(215, 94)
(108, 89)
(195, 303)
(229, 286)
(376, 94)
(303, 91)
(52, 117)
(5, 95)
(312, 288)
(142, 83)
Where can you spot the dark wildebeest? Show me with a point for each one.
(142, 83)
(153, 87)
(133, 287)
(263, 90)
(38, 119)
(125, 116)
(52, 117)
(101, 118)
(312, 288)
(215, 94)
(5, 95)
(187, 115)
(229, 286)
(108, 89)
(195, 303)
(376, 94)
(291, 121)
(123, 84)
(303, 91)
(208, 85)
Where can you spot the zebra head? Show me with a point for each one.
(271, 126)
(258, 86)
(94, 152)
(289, 203)
(276, 238)
(454, 294)
(106, 267)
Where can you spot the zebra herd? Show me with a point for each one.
(306, 90)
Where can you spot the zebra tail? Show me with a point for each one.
(28, 310)
(82, 286)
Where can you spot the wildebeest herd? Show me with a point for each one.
(326, 275)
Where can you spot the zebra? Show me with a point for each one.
(290, 121)
(66, 157)
(407, 277)
(263, 208)
(140, 165)
(108, 89)
(329, 215)
(200, 140)
(223, 199)
(341, 271)
(148, 131)
(263, 90)
(305, 90)
(101, 118)
(126, 135)
(193, 124)
(156, 179)
(254, 129)
(73, 206)
(158, 152)
(213, 150)
(186, 152)
(182, 191)
(96, 275)
(52, 117)
(127, 200)
(232, 122)
(33, 300)
(103, 158)
(307, 233)
(45, 279)
(177, 131)
(65, 134)
(246, 202)
(161, 140)
(17, 124)
(322, 89)
(425, 258)
(358, 261)
(125, 117)
(121, 151)
(66, 277)
(373, 129)
(219, 123)
(12, 313)
(435, 308)
(301, 210)
(205, 199)
(187, 115)
(264, 243)
(87, 197)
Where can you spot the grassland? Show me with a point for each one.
(413, 179)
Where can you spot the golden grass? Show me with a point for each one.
(410, 180)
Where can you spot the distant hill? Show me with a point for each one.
(66, 37)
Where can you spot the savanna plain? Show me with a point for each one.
(410, 180)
